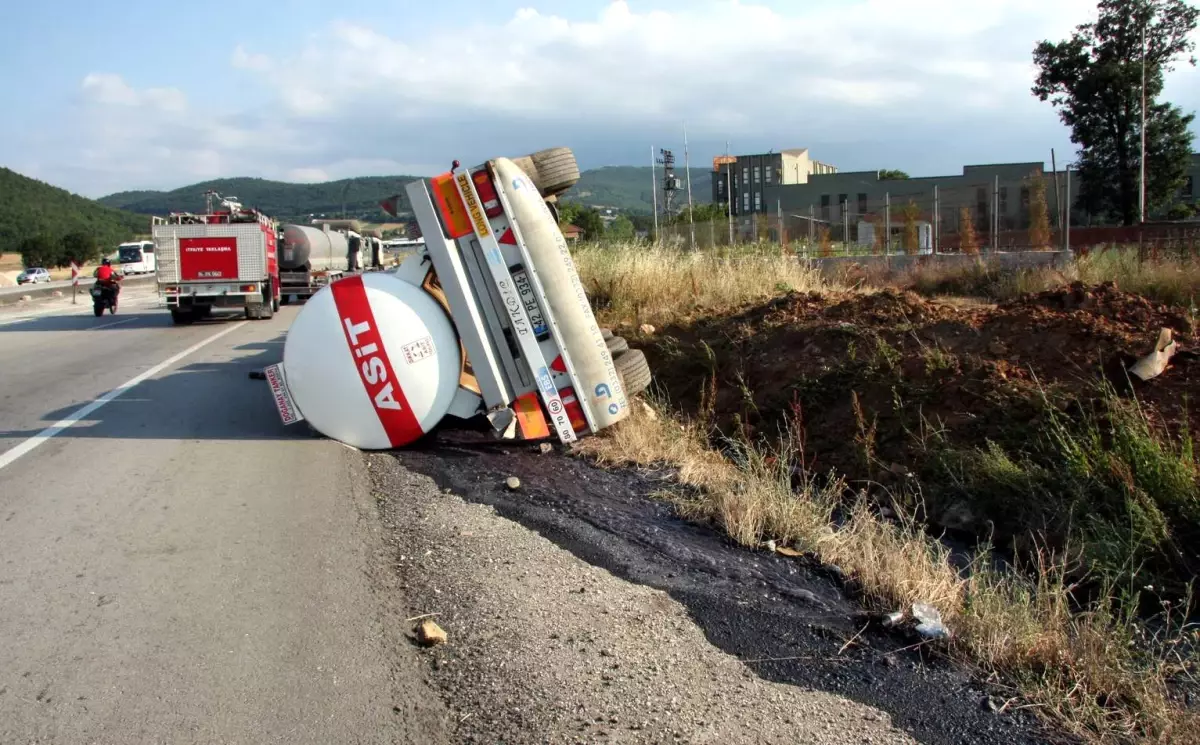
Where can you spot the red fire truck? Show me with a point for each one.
(223, 258)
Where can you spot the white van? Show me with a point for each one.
(136, 257)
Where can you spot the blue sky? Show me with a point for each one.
(104, 97)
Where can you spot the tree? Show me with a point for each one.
(1094, 80)
(589, 221)
(968, 243)
(620, 229)
(888, 174)
(40, 250)
(912, 236)
(1039, 213)
(80, 247)
(567, 212)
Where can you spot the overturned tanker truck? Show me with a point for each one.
(489, 319)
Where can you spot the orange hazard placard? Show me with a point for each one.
(454, 212)
(530, 417)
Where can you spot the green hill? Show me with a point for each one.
(282, 200)
(627, 188)
(30, 207)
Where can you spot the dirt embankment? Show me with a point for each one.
(890, 388)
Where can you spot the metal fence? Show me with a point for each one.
(916, 217)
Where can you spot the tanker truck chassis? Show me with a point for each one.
(489, 320)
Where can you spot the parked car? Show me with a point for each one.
(33, 275)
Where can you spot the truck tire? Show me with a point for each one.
(552, 171)
(557, 170)
(617, 344)
(606, 333)
(182, 317)
(634, 371)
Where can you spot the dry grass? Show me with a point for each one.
(1093, 671)
(1080, 669)
(1171, 279)
(640, 282)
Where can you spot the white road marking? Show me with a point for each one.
(7, 458)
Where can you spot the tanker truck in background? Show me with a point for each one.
(312, 256)
(489, 319)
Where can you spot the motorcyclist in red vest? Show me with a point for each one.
(105, 271)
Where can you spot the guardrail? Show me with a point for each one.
(27, 293)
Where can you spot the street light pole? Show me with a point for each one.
(1142, 169)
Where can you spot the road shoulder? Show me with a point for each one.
(546, 647)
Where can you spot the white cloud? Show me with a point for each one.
(308, 175)
(868, 79)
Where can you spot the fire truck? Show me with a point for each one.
(489, 319)
(225, 257)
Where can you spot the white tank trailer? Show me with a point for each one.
(310, 248)
(310, 258)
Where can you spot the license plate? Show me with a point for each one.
(283, 398)
(525, 290)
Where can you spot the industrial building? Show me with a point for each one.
(793, 187)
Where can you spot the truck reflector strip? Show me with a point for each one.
(454, 212)
(509, 238)
(371, 359)
(530, 418)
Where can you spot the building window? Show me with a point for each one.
(981, 205)
(720, 187)
(758, 201)
(843, 200)
(745, 174)
(757, 174)
(768, 174)
(862, 203)
(1189, 186)
(1003, 200)
(824, 206)
(746, 201)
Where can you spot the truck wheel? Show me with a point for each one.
(98, 309)
(606, 333)
(634, 371)
(556, 169)
(285, 299)
(275, 303)
(254, 312)
(617, 344)
(268, 311)
(182, 317)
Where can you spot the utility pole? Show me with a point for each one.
(654, 192)
(729, 191)
(1058, 210)
(1142, 168)
(937, 218)
(687, 169)
(779, 211)
(1067, 222)
(811, 217)
(996, 215)
(887, 224)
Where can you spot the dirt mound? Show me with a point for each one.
(880, 382)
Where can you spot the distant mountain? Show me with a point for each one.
(626, 188)
(288, 202)
(30, 207)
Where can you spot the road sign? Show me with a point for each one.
(74, 272)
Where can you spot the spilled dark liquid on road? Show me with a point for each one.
(789, 621)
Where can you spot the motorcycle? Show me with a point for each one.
(104, 295)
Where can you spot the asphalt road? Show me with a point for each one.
(175, 565)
